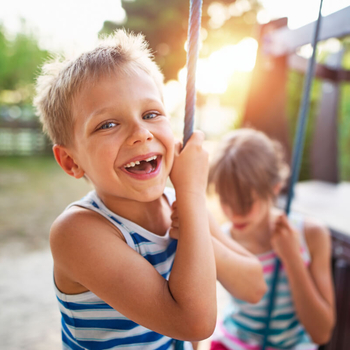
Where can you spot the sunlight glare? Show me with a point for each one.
(174, 93)
(214, 72)
(263, 17)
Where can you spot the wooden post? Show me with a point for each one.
(324, 149)
(266, 102)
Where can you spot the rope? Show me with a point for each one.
(296, 161)
(194, 26)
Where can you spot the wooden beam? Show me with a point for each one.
(299, 64)
(324, 149)
(285, 41)
(323, 71)
(266, 101)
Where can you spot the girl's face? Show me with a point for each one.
(250, 221)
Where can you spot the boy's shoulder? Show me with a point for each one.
(77, 223)
(74, 217)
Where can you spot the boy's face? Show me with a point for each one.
(123, 140)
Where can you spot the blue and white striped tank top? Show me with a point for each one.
(243, 323)
(90, 323)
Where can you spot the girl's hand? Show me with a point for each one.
(174, 228)
(285, 240)
(190, 169)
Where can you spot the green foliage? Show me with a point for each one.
(344, 119)
(344, 133)
(19, 61)
(294, 93)
(295, 88)
(20, 58)
(165, 25)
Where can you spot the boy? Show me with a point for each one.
(112, 250)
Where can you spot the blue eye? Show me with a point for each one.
(108, 125)
(150, 115)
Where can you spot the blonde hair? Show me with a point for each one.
(247, 164)
(60, 81)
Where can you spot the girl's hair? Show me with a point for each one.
(60, 81)
(247, 165)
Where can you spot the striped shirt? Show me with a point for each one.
(243, 323)
(90, 323)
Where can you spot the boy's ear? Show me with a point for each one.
(65, 160)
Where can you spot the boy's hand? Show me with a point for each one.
(174, 228)
(190, 169)
(284, 239)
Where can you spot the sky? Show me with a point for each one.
(301, 12)
(72, 25)
(68, 25)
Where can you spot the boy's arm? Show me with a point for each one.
(312, 286)
(239, 271)
(89, 251)
(193, 278)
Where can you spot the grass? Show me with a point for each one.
(33, 192)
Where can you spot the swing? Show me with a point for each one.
(296, 161)
(192, 54)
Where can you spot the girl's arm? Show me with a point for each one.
(239, 271)
(312, 287)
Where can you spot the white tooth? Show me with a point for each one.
(137, 162)
(131, 164)
(151, 158)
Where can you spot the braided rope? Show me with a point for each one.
(296, 161)
(194, 26)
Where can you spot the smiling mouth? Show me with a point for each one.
(239, 226)
(140, 167)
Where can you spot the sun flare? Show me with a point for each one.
(214, 72)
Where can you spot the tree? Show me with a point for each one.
(165, 25)
(19, 60)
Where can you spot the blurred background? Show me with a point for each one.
(34, 190)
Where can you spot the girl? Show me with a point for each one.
(248, 173)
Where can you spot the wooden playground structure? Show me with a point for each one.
(323, 197)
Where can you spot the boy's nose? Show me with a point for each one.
(139, 134)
